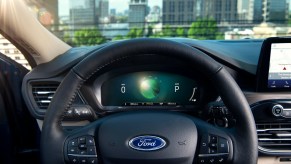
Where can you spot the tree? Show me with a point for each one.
(118, 37)
(135, 33)
(289, 19)
(150, 31)
(121, 19)
(67, 38)
(203, 29)
(219, 36)
(168, 31)
(88, 37)
(156, 35)
(180, 32)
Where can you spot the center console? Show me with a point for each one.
(273, 115)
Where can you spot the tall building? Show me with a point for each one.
(137, 13)
(8, 49)
(154, 15)
(243, 9)
(185, 12)
(255, 11)
(112, 12)
(82, 12)
(91, 3)
(180, 11)
(103, 9)
(82, 16)
(275, 11)
(221, 10)
(90, 11)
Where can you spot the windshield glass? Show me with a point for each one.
(93, 22)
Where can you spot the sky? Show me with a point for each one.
(119, 5)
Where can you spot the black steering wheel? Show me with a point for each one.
(149, 136)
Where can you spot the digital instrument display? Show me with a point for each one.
(149, 89)
(280, 66)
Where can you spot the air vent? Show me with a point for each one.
(274, 137)
(43, 94)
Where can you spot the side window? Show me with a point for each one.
(12, 52)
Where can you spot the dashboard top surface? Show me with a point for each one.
(241, 54)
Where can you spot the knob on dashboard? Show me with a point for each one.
(277, 110)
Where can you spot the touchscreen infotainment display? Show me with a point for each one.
(279, 75)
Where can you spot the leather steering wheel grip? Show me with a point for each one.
(244, 135)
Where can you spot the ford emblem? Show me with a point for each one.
(147, 143)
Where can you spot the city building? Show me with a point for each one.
(223, 11)
(180, 12)
(269, 11)
(275, 11)
(154, 15)
(83, 12)
(137, 13)
(103, 9)
(82, 16)
(267, 29)
(12, 52)
(91, 11)
(113, 12)
(255, 11)
(239, 34)
(243, 10)
(126, 12)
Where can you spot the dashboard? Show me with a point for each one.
(174, 85)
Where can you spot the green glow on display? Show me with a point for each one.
(149, 87)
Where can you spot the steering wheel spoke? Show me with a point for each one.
(81, 146)
(215, 144)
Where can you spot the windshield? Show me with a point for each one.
(93, 22)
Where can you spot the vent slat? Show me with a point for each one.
(44, 101)
(43, 94)
(274, 139)
(43, 97)
(276, 144)
(274, 136)
(274, 129)
(264, 135)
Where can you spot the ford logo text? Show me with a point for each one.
(147, 143)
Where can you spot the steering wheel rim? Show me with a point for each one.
(243, 136)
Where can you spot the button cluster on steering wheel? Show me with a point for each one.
(213, 149)
(82, 150)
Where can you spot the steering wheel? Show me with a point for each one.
(149, 136)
